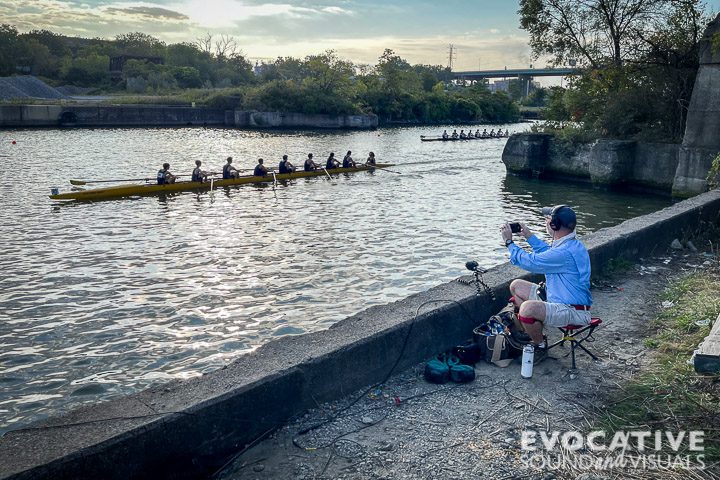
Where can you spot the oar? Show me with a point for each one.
(85, 182)
(383, 168)
(326, 173)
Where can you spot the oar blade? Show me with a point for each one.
(78, 182)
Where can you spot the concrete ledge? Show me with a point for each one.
(187, 429)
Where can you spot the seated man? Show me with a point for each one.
(229, 171)
(462, 134)
(260, 169)
(348, 161)
(285, 166)
(566, 265)
(445, 135)
(198, 174)
(332, 162)
(164, 176)
(454, 134)
(310, 165)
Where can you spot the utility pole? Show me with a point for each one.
(452, 53)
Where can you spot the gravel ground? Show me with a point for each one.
(409, 428)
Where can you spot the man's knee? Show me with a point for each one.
(532, 309)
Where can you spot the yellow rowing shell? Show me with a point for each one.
(153, 189)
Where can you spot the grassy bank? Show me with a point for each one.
(668, 395)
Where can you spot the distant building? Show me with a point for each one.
(259, 68)
(117, 64)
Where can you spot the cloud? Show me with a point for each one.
(150, 12)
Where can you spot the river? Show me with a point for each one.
(106, 298)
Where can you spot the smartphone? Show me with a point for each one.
(515, 228)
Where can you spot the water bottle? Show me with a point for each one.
(527, 361)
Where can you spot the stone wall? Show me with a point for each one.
(107, 116)
(613, 163)
(701, 142)
(299, 120)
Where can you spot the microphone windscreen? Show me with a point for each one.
(471, 265)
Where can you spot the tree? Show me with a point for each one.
(9, 49)
(142, 44)
(594, 32)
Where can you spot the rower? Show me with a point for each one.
(462, 134)
(164, 176)
(285, 166)
(484, 134)
(371, 159)
(492, 132)
(507, 132)
(260, 169)
(331, 162)
(477, 133)
(454, 134)
(445, 135)
(310, 165)
(229, 171)
(198, 174)
(348, 162)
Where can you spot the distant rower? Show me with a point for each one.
(310, 165)
(348, 162)
(285, 166)
(371, 158)
(198, 174)
(477, 133)
(260, 169)
(445, 135)
(331, 162)
(229, 171)
(462, 134)
(454, 134)
(164, 176)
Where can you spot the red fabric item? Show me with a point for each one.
(580, 307)
(528, 320)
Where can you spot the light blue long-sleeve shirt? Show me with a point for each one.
(566, 266)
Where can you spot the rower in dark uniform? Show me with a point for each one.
(462, 134)
(198, 174)
(310, 165)
(492, 132)
(260, 169)
(331, 162)
(348, 162)
(484, 134)
(164, 176)
(285, 166)
(477, 133)
(371, 159)
(454, 134)
(229, 171)
(507, 132)
(445, 135)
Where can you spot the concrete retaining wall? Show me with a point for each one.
(107, 116)
(187, 429)
(300, 120)
(613, 163)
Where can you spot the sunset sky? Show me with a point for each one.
(485, 32)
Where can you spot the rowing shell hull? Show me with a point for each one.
(440, 139)
(153, 189)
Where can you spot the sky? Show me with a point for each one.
(485, 33)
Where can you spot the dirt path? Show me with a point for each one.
(473, 430)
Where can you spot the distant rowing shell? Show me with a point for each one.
(440, 139)
(133, 190)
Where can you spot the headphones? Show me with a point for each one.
(556, 223)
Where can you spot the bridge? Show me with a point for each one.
(516, 73)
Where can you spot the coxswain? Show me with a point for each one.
(462, 134)
(445, 135)
(331, 162)
(229, 171)
(260, 169)
(477, 133)
(285, 166)
(164, 176)
(371, 159)
(348, 162)
(198, 174)
(454, 134)
(310, 165)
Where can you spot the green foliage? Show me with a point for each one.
(713, 176)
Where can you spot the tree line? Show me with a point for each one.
(213, 71)
(639, 60)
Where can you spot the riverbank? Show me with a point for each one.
(190, 428)
(408, 428)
